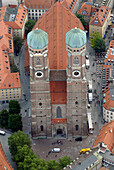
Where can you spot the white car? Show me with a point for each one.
(2, 132)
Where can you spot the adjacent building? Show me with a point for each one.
(37, 8)
(72, 5)
(86, 11)
(100, 21)
(58, 86)
(16, 17)
(108, 84)
(4, 163)
(12, 22)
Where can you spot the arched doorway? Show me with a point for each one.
(59, 131)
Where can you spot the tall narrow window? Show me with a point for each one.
(59, 114)
(38, 62)
(41, 128)
(76, 60)
(77, 127)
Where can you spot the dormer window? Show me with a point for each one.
(9, 30)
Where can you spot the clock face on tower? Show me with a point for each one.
(39, 74)
(76, 73)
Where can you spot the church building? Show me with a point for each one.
(58, 86)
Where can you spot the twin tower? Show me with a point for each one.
(58, 96)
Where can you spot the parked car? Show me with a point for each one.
(2, 132)
(78, 139)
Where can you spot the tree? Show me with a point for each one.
(18, 42)
(14, 107)
(29, 25)
(53, 165)
(97, 43)
(15, 122)
(81, 19)
(33, 164)
(14, 69)
(4, 114)
(18, 139)
(22, 152)
(64, 161)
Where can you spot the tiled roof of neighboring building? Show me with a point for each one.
(85, 9)
(69, 4)
(4, 161)
(99, 18)
(108, 76)
(106, 135)
(39, 4)
(15, 16)
(7, 79)
(57, 21)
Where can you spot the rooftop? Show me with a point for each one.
(56, 22)
(108, 79)
(40, 4)
(7, 79)
(85, 9)
(4, 161)
(106, 135)
(100, 16)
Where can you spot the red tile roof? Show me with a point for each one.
(4, 161)
(87, 8)
(109, 103)
(19, 19)
(67, 4)
(7, 79)
(106, 135)
(57, 21)
(39, 4)
(100, 16)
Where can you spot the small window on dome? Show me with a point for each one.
(76, 60)
(38, 62)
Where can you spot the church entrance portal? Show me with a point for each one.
(59, 132)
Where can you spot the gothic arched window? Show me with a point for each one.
(77, 127)
(76, 60)
(59, 113)
(41, 128)
(38, 62)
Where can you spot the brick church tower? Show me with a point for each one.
(76, 83)
(39, 83)
(58, 85)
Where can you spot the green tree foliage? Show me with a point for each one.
(64, 161)
(4, 114)
(14, 107)
(97, 43)
(15, 122)
(14, 69)
(81, 19)
(18, 42)
(33, 164)
(18, 139)
(22, 152)
(53, 165)
(29, 25)
(20, 148)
